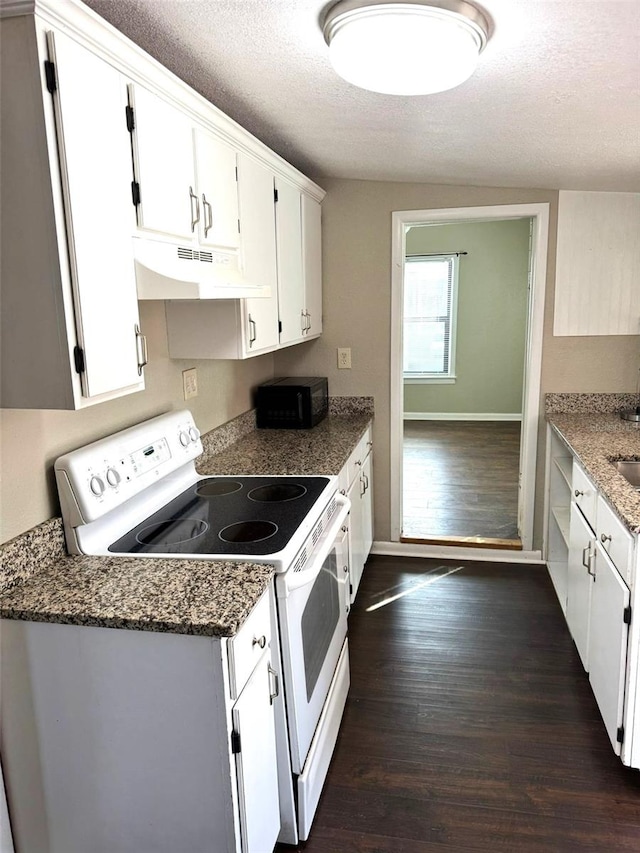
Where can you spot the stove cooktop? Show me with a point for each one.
(226, 515)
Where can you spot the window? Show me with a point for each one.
(430, 296)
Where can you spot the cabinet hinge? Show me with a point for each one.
(279, 327)
(236, 173)
(275, 195)
(238, 226)
(620, 734)
(235, 742)
(131, 122)
(50, 75)
(78, 359)
(135, 193)
(626, 615)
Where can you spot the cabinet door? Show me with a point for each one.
(256, 763)
(95, 161)
(367, 506)
(356, 535)
(217, 182)
(291, 299)
(312, 260)
(608, 643)
(164, 166)
(580, 581)
(258, 241)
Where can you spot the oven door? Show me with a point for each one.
(313, 626)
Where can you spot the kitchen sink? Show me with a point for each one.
(630, 470)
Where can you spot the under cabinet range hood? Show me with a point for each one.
(172, 271)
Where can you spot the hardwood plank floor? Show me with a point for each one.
(470, 724)
(460, 478)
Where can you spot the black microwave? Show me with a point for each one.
(292, 402)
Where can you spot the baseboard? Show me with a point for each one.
(440, 552)
(461, 416)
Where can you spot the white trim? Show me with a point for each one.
(461, 416)
(446, 552)
(450, 379)
(400, 220)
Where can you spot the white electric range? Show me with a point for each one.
(137, 493)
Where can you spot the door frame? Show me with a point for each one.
(401, 221)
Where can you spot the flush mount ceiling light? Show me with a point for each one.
(400, 48)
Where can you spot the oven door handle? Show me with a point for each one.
(294, 580)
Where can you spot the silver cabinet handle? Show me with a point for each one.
(194, 218)
(273, 694)
(303, 321)
(604, 538)
(578, 493)
(366, 481)
(308, 320)
(587, 556)
(253, 331)
(259, 641)
(141, 349)
(208, 225)
(363, 484)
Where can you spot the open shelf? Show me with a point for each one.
(561, 515)
(564, 464)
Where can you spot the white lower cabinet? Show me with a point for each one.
(356, 481)
(608, 636)
(580, 581)
(123, 741)
(592, 561)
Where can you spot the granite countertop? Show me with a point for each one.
(596, 440)
(40, 582)
(321, 450)
(206, 598)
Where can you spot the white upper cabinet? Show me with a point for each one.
(291, 295)
(312, 262)
(237, 329)
(163, 154)
(598, 264)
(70, 333)
(217, 187)
(299, 263)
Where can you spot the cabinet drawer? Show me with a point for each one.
(584, 494)
(615, 539)
(248, 644)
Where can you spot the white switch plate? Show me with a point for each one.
(190, 383)
(344, 358)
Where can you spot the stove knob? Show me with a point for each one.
(194, 434)
(97, 486)
(113, 478)
(184, 438)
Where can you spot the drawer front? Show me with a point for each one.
(246, 648)
(615, 539)
(584, 494)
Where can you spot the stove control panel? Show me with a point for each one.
(98, 478)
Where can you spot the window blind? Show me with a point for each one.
(429, 291)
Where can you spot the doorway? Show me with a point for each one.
(405, 222)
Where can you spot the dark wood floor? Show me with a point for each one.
(460, 478)
(470, 725)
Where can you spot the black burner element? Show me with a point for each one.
(239, 516)
(248, 531)
(217, 488)
(275, 492)
(171, 532)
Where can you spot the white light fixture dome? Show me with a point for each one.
(401, 48)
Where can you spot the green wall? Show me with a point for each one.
(492, 309)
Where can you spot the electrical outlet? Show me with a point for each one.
(344, 358)
(190, 383)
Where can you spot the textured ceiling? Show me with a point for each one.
(555, 102)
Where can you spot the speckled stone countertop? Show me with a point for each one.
(596, 440)
(40, 582)
(321, 450)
